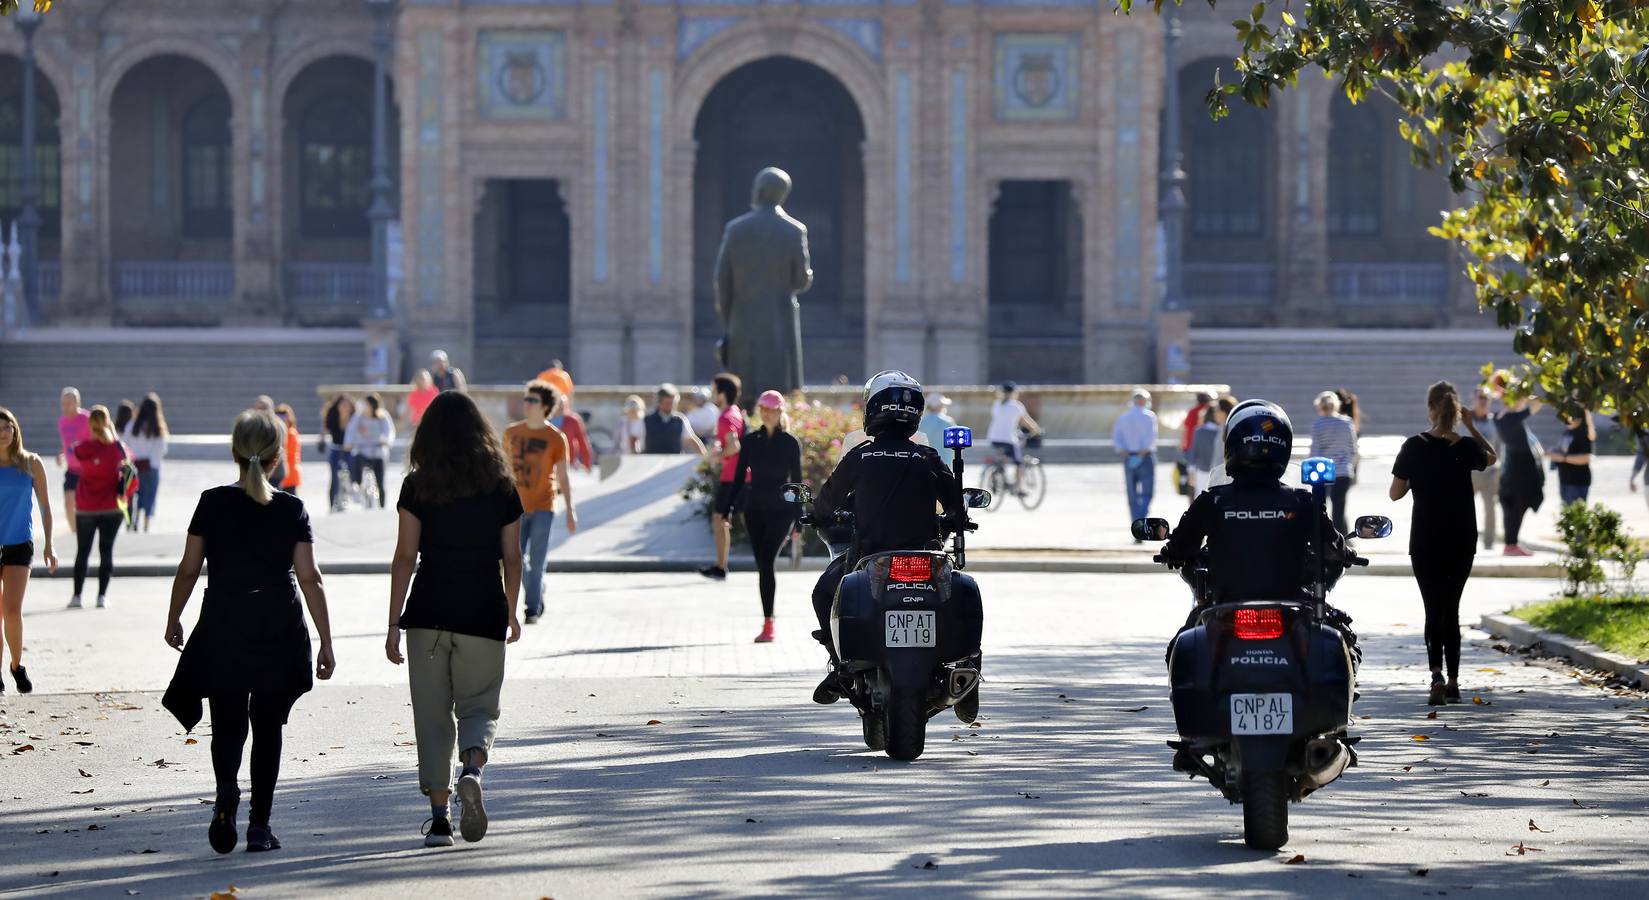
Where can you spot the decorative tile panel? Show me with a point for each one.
(901, 176)
(1128, 166)
(523, 75)
(693, 31)
(598, 184)
(867, 33)
(1036, 76)
(958, 175)
(431, 219)
(655, 176)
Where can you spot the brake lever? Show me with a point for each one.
(1359, 561)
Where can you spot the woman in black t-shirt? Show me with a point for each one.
(1522, 480)
(1574, 458)
(1437, 465)
(460, 530)
(249, 653)
(769, 457)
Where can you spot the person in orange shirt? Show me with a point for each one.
(557, 377)
(423, 391)
(537, 452)
(294, 450)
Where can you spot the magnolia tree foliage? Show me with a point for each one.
(7, 7)
(1537, 110)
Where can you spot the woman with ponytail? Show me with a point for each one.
(97, 513)
(249, 654)
(1437, 465)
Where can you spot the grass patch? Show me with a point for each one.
(1618, 623)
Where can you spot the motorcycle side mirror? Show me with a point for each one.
(796, 493)
(976, 498)
(1370, 528)
(1151, 529)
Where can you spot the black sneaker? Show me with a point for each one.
(21, 676)
(438, 832)
(828, 691)
(1450, 693)
(261, 839)
(1438, 695)
(221, 833)
(714, 573)
(472, 816)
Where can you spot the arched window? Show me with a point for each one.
(207, 168)
(1225, 162)
(334, 170)
(47, 177)
(1355, 145)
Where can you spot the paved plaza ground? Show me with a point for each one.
(747, 788)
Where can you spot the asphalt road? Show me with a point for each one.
(746, 788)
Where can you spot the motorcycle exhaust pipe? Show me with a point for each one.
(960, 682)
(1325, 760)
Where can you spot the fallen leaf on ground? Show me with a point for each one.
(1474, 794)
(1580, 805)
(1419, 737)
(1137, 709)
(1422, 872)
(1396, 828)
(1546, 783)
(95, 827)
(1491, 671)
(1523, 849)
(189, 742)
(84, 773)
(654, 722)
(225, 895)
(1534, 827)
(930, 864)
(86, 791)
(1481, 702)
(1432, 714)
(976, 725)
(599, 734)
(1295, 860)
(23, 749)
(406, 743)
(1029, 796)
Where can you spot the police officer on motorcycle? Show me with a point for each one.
(1259, 532)
(892, 485)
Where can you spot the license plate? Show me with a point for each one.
(910, 628)
(1262, 713)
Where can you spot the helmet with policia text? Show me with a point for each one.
(893, 404)
(1258, 440)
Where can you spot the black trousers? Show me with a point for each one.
(232, 718)
(1512, 510)
(768, 529)
(1337, 500)
(358, 464)
(1442, 578)
(824, 594)
(104, 527)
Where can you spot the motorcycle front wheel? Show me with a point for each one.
(1265, 809)
(907, 723)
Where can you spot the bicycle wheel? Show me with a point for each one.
(996, 481)
(1033, 485)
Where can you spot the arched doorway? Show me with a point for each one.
(171, 189)
(788, 113)
(326, 163)
(47, 167)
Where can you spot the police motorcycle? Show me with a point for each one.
(1262, 687)
(905, 624)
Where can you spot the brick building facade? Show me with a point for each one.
(980, 179)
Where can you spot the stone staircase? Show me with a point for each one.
(203, 376)
(1388, 370)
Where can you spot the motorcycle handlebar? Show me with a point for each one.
(1358, 561)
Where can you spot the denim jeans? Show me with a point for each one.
(1140, 476)
(336, 457)
(1570, 493)
(148, 488)
(535, 546)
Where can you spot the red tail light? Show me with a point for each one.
(911, 569)
(1258, 624)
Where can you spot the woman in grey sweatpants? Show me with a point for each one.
(460, 531)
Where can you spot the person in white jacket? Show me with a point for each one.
(368, 438)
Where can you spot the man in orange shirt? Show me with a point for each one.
(557, 377)
(538, 453)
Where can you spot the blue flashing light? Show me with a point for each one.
(1317, 470)
(958, 438)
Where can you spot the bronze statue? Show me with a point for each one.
(761, 267)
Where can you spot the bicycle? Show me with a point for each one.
(1033, 482)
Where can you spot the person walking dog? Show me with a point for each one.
(460, 530)
(1437, 465)
(22, 479)
(249, 655)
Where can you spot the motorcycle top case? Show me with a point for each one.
(1208, 664)
(868, 592)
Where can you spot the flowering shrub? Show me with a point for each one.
(817, 427)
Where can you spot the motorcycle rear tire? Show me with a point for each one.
(907, 723)
(1265, 809)
(875, 729)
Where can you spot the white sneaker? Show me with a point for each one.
(102, 602)
(74, 602)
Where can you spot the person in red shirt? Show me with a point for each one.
(97, 512)
(1193, 421)
(572, 426)
(729, 434)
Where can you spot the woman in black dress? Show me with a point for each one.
(769, 457)
(1437, 465)
(249, 655)
(1522, 480)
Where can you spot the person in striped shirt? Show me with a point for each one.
(1333, 436)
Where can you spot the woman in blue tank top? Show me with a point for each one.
(21, 474)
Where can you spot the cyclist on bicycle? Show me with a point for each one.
(1008, 416)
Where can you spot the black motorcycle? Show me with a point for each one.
(1262, 687)
(906, 624)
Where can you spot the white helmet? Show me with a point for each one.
(893, 404)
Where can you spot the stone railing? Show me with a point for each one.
(1407, 284)
(331, 284)
(1064, 411)
(174, 280)
(1214, 284)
